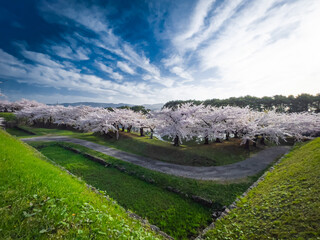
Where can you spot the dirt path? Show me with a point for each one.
(248, 167)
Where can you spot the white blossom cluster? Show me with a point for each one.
(185, 122)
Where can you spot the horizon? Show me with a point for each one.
(152, 52)
(173, 100)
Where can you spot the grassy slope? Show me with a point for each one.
(286, 205)
(17, 132)
(214, 154)
(40, 132)
(175, 215)
(39, 200)
(220, 193)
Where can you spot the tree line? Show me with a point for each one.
(284, 104)
(183, 123)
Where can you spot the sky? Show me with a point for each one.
(141, 52)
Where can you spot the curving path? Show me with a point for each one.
(248, 167)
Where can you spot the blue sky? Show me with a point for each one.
(155, 51)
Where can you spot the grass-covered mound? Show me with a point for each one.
(285, 205)
(40, 201)
(174, 214)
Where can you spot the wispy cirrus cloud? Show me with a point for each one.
(181, 73)
(254, 49)
(65, 51)
(94, 19)
(168, 49)
(125, 68)
(261, 47)
(110, 71)
(60, 77)
(40, 58)
(195, 25)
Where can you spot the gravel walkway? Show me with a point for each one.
(248, 167)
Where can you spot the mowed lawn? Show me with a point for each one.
(286, 205)
(40, 201)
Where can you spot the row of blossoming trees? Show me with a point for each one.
(186, 122)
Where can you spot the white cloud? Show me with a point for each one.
(40, 58)
(166, 82)
(197, 20)
(78, 13)
(109, 70)
(172, 60)
(228, 48)
(64, 51)
(181, 73)
(57, 77)
(94, 19)
(125, 68)
(198, 32)
(9, 59)
(264, 63)
(220, 16)
(257, 47)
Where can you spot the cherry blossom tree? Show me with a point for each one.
(179, 123)
(212, 123)
(99, 120)
(186, 122)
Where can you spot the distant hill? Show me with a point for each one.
(156, 106)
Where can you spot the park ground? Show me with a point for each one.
(284, 204)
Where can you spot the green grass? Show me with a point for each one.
(17, 132)
(8, 116)
(193, 154)
(40, 201)
(20, 132)
(50, 131)
(175, 215)
(222, 194)
(286, 205)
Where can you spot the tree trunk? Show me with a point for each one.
(227, 136)
(151, 134)
(262, 141)
(129, 129)
(218, 140)
(117, 135)
(246, 146)
(236, 135)
(176, 141)
(122, 128)
(255, 141)
(141, 132)
(206, 140)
